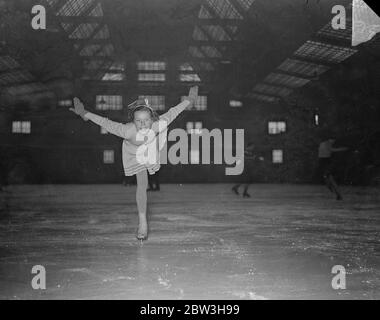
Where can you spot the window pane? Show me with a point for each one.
(276, 127)
(65, 103)
(235, 104)
(316, 120)
(189, 127)
(277, 156)
(113, 77)
(152, 77)
(200, 105)
(189, 77)
(25, 127)
(16, 127)
(186, 67)
(198, 127)
(151, 65)
(156, 102)
(21, 127)
(109, 102)
(108, 156)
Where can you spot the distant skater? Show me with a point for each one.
(141, 135)
(325, 153)
(249, 168)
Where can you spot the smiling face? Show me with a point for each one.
(142, 119)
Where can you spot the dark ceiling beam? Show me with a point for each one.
(142, 44)
(23, 83)
(280, 86)
(344, 43)
(100, 58)
(271, 95)
(184, 22)
(3, 72)
(215, 43)
(18, 83)
(106, 70)
(80, 19)
(315, 61)
(30, 93)
(205, 59)
(216, 21)
(111, 57)
(293, 74)
(88, 41)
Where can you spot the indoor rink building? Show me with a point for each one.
(294, 76)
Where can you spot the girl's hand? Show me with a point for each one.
(79, 108)
(193, 95)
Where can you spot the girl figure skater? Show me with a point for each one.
(140, 135)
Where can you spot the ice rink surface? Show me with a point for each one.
(204, 242)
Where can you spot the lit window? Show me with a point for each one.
(16, 127)
(276, 127)
(109, 102)
(277, 156)
(198, 127)
(156, 102)
(25, 127)
(21, 127)
(103, 131)
(194, 156)
(189, 77)
(113, 77)
(151, 65)
(194, 127)
(235, 104)
(316, 119)
(65, 103)
(200, 105)
(189, 127)
(186, 67)
(152, 77)
(117, 66)
(108, 156)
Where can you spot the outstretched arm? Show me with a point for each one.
(173, 112)
(116, 128)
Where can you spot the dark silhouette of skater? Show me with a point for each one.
(251, 160)
(325, 153)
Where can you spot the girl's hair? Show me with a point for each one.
(141, 105)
